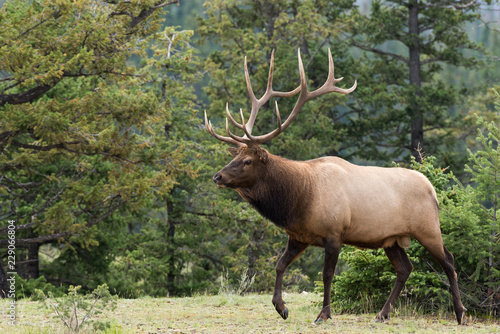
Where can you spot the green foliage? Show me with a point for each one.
(485, 170)
(83, 132)
(395, 91)
(76, 310)
(367, 283)
(28, 288)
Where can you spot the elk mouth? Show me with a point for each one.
(218, 181)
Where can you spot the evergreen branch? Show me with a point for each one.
(343, 115)
(450, 4)
(38, 91)
(380, 52)
(36, 213)
(8, 167)
(54, 15)
(58, 236)
(168, 3)
(10, 182)
(47, 147)
(26, 96)
(446, 282)
(4, 136)
(487, 25)
(327, 39)
(145, 13)
(431, 60)
(37, 240)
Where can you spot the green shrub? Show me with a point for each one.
(366, 285)
(76, 310)
(27, 288)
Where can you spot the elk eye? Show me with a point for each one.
(248, 162)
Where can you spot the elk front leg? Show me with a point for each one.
(332, 250)
(293, 249)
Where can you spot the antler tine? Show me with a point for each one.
(239, 140)
(302, 73)
(257, 103)
(238, 125)
(210, 129)
(249, 84)
(269, 87)
(247, 133)
(269, 93)
(329, 85)
(278, 116)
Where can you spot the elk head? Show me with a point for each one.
(249, 158)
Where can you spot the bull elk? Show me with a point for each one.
(327, 202)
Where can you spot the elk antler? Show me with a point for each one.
(305, 95)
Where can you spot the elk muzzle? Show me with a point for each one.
(217, 177)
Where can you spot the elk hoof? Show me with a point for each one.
(382, 318)
(284, 314)
(322, 317)
(463, 319)
(281, 309)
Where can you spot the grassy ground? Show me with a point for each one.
(235, 314)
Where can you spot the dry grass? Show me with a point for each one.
(235, 314)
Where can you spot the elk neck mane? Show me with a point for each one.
(282, 193)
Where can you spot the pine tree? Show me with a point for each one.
(405, 44)
(78, 131)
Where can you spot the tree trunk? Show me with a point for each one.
(32, 267)
(4, 286)
(171, 250)
(417, 120)
(254, 252)
(491, 261)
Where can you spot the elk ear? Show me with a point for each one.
(233, 151)
(263, 155)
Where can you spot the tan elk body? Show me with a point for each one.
(327, 202)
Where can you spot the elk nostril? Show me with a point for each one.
(217, 178)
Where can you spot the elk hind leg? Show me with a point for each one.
(403, 266)
(332, 250)
(446, 261)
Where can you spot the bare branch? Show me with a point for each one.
(3, 230)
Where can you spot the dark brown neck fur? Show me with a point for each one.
(282, 192)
